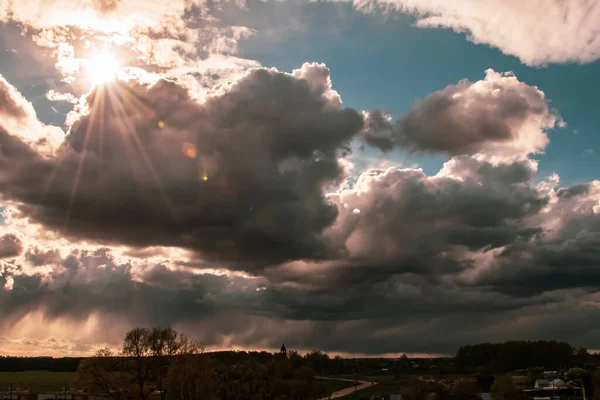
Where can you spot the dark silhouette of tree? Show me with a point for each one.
(509, 356)
(485, 380)
(464, 388)
(141, 368)
(596, 384)
(103, 373)
(503, 388)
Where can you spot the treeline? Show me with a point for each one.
(514, 355)
(161, 363)
(492, 357)
(20, 364)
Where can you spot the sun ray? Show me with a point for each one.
(131, 97)
(78, 173)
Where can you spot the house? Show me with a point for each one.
(98, 396)
(17, 395)
(541, 383)
(62, 396)
(549, 393)
(54, 396)
(557, 383)
(484, 396)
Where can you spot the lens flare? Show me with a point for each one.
(189, 150)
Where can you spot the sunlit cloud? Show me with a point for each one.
(192, 187)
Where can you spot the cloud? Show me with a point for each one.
(239, 177)
(177, 39)
(10, 246)
(98, 296)
(413, 223)
(563, 257)
(498, 115)
(211, 213)
(101, 15)
(18, 116)
(565, 32)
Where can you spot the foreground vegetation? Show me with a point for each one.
(161, 364)
(36, 381)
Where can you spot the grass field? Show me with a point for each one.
(36, 380)
(41, 381)
(384, 385)
(387, 384)
(333, 385)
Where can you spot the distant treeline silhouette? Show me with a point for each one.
(493, 357)
(19, 364)
(514, 355)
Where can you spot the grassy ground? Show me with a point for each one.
(41, 381)
(385, 385)
(36, 380)
(333, 385)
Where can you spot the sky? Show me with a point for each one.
(367, 178)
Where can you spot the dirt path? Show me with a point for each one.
(348, 390)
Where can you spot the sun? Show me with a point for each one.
(102, 68)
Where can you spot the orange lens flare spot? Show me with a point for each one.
(204, 177)
(189, 150)
(161, 124)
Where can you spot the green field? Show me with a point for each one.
(406, 385)
(384, 385)
(41, 381)
(36, 380)
(332, 385)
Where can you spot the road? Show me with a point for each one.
(348, 390)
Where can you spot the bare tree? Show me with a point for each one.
(141, 368)
(192, 377)
(502, 387)
(104, 373)
(151, 352)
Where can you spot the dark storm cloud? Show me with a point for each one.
(218, 307)
(10, 246)
(574, 190)
(95, 281)
(238, 178)
(478, 252)
(566, 257)
(466, 117)
(406, 219)
(40, 257)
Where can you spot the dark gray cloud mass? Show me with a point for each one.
(482, 251)
(467, 117)
(239, 177)
(396, 214)
(10, 246)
